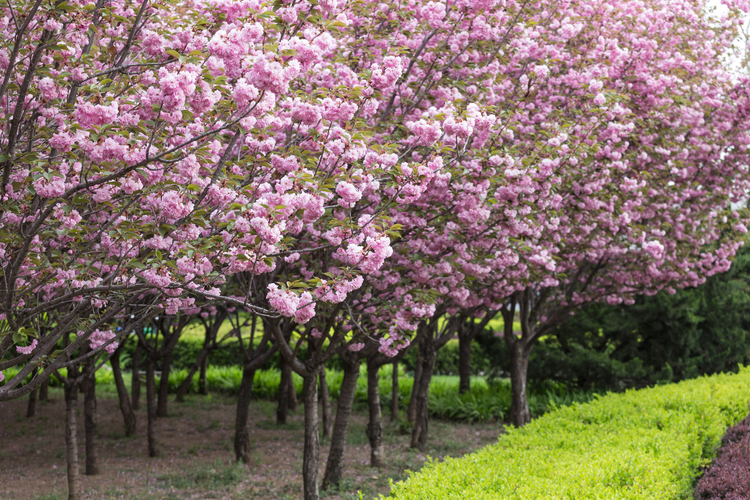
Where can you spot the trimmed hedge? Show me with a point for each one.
(646, 444)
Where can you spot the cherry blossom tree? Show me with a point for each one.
(158, 149)
(273, 158)
(609, 173)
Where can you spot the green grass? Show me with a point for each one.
(648, 444)
(213, 477)
(485, 403)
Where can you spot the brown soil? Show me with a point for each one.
(196, 459)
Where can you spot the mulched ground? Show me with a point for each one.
(196, 453)
(728, 478)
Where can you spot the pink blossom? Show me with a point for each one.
(99, 337)
(294, 257)
(28, 349)
(94, 115)
(47, 88)
(52, 25)
(306, 308)
(270, 235)
(49, 188)
(654, 248)
(131, 185)
(156, 279)
(356, 347)
(284, 301)
(348, 193)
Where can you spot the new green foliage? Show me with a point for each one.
(647, 444)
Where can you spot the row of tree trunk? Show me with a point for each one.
(157, 352)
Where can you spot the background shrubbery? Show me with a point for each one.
(660, 339)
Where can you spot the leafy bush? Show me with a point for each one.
(446, 359)
(660, 339)
(230, 354)
(104, 375)
(486, 402)
(647, 444)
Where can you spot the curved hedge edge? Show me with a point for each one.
(646, 444)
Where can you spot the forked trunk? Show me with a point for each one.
(151, 408)
(464, 362)
(311, 450)
(71, 439)
(241, 430)
(128, 417)
(519, 405)
(375, 424)
(90, 424)
(325, 400)
(335, 464)
(135, 382)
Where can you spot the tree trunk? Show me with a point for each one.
(421, 417)
(335, 464)
(519, 405)
(312, 438)
(241, 431)
(375, 424)
(325, 399)
(90, 424)
(151, 407)
(44, 391)
(31, 407)
(282, 410)
(185, 385)
(464, 362)
(411, 411)
(71, 438)
(394, 392)
(135, 382)
(292, 401)
(128, 417)
(203, 381)
(166, 367)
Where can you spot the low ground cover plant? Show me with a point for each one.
(646, 444)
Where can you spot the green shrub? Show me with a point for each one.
(104, 375)
(446, 359)
(646, 444)
(230, 354)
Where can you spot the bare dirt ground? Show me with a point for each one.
(196, 458)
